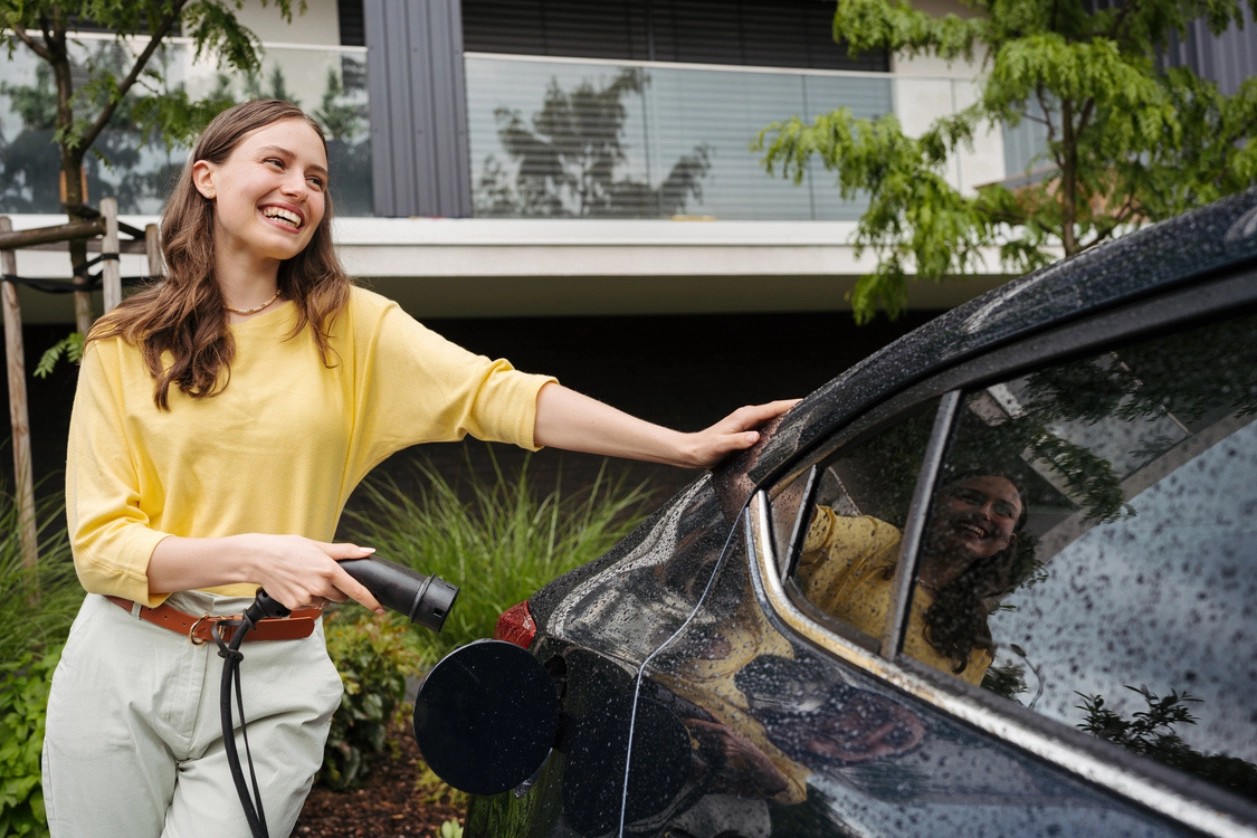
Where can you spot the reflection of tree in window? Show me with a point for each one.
(1151, 732)
(1141, 464)
(29, 163)
(1088, 428)
(565, 161)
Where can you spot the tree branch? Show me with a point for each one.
(1084, 115)
(34, 45)
(1051, 129)
(1043, 106)
(155, 39)
(1119, 21)
(1124, 214)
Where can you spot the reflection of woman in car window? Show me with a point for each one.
(848, 564)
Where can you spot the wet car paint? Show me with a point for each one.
(814, 751)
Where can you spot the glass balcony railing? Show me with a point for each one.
(562, 138)
(576, 138)
(329, 82)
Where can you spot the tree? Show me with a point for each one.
(92, 90)
(1126, 142)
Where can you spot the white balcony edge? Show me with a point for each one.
(529, 267)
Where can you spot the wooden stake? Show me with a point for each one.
(110, 268)
(19, 410)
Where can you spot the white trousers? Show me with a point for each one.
(133, 745)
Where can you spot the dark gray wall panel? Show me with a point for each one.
(418, 108)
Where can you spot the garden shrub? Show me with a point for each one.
(36, 611)
(374, 656)
(497, 538)
(24, 685)
(39, 603)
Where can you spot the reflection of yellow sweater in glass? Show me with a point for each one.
(846, 570)
(280, 449)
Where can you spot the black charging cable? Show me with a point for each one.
(425, 600)
(263, 607)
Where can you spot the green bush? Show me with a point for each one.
(24, 685)
(374, 657)
(36, 611)
(494, 537)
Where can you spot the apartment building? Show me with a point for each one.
(570, 183)
(453, 200)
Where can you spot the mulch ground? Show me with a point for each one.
(389, 803)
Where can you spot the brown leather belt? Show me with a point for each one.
(199, 630)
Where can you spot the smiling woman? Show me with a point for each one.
(222, 419)
(270, 194)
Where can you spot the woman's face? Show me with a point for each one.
(975, 518)
(269, 194)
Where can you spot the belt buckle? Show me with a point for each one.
(212, 620)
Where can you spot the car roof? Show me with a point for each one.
(1181, 250)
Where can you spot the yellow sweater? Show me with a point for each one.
(281, 448)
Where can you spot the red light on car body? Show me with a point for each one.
(516, 625)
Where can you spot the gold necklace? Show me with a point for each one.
(246, 312)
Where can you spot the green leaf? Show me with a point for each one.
(70, 346)
(1126, 144)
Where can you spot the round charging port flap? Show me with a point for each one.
(486, 717)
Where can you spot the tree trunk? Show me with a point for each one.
(74, 197)
(1069, 180)
(73, 185)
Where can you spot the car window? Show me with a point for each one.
(852, 526)
(1091, 547)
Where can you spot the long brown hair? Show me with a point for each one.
(956, 621)
(185, 313)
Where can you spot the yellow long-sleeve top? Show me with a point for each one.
(280, 449)
(846, 568)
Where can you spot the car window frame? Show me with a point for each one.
(867, 424)
(1141, 780)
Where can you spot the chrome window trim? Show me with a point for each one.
(1106, 773)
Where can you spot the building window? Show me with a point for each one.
(352, 29)
(757, 33)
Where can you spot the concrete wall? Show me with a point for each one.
(319, 24)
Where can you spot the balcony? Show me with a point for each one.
(580, 172)
(563, 138)
(548, 138)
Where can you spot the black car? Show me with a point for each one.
(1000, 578)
